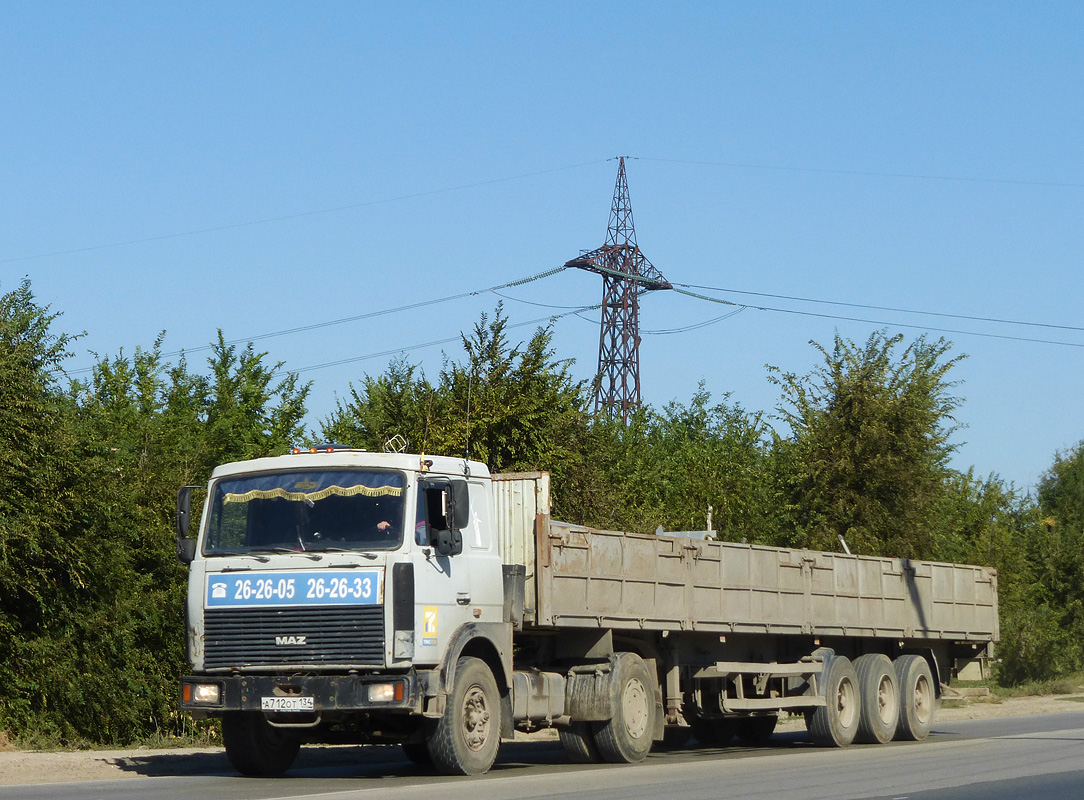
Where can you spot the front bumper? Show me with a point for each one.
(401, 693)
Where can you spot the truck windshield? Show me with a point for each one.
(306, 511)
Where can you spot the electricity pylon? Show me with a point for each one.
(626, 273)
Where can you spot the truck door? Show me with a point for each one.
(443, 588)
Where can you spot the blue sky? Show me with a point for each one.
(257, 167)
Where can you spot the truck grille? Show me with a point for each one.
(294, 636)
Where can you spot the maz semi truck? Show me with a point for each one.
(344, 596)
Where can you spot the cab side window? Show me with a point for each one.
(429, 514)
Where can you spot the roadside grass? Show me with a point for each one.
(1070, 684)
(206, 733)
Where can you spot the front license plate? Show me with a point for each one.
(287, 704)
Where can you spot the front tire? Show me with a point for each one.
(627, 737)
(256, 748)
(465, 740)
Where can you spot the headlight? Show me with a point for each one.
(204, 694)
(386, 692)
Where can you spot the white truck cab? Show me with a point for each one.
(333, 584)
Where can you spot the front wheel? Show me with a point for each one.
(464, 741)
(256, 748)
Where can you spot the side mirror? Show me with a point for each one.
(458, 505)
(184, 510)
(447, 520)
(447, 542)
(186, 548)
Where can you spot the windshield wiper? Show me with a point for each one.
(290, 550)
(362, 553)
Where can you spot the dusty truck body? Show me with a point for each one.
(345, 596)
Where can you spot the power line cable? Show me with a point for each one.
(298, 215)
(477, 184)
(357, 317)
(676, 288)
(530, 302)
(879, 322)
(458, 338)
(577, 311)
(883, 308)
(694, 326)
(865, 174)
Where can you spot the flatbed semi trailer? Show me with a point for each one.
(338, 595)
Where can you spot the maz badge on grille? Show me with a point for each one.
(290, 640)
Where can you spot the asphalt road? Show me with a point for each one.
(998, 759)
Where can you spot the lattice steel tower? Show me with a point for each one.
(626, 273)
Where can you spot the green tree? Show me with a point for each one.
(668, 468)
(248, 412)
(401, 402)
(514, 407)
(59, 576)
(1043, 636)
(91, 594)
(870, 438)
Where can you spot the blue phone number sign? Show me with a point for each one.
(325, 588)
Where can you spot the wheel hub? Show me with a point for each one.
(634, 701)
(476, 718)
(923, 704)
(886, 701)
(846, 707)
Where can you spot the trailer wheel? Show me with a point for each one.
(627, 737)
(836, 723)
(579, 743)
(918, 697)
(256, 748)
(880, 699)
(464, 741)
(757, 730)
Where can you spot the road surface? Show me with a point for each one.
(997, 759)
